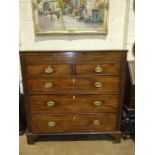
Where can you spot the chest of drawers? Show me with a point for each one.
(73, 92)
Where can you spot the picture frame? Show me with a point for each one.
(70, 16)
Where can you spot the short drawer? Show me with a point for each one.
(73, 103)
(100, 84)
(43, 70)
(73, 123)
(102, 68)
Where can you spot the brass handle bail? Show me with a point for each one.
(48, 85)
(51, 123)
(96, 122)
(98, 69)
(98, 84)
(49, 70)
(97, 103)
(50, 103)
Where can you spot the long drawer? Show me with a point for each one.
(72, 56)
(97, 84)
(73, 123)
(73, 103)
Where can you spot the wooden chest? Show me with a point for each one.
(73, 92)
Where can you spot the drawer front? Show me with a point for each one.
(43, 70)
(100, 84)
(73, 103)
(104, 68)
(106, 84)
(71, 56)
(48, 86)
(73, 123)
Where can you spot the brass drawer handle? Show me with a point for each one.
(97, 103)
(48, 85)
(50, 103)
(96, 122)
(98, 84)
(51, 124)
(98, 69)
(49, 70)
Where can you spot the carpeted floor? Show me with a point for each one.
(96, 147)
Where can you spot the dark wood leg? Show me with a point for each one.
(124, 135)
(30, 139)
(116, 137)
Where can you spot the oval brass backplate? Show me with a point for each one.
(51, 123)
(97, 103)
(48, 85)
(50, 103)
(49, 70)
(96, 122)
(98, 69)
(98, 84)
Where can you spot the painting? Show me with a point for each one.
(70, 16)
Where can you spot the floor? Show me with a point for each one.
(95, 147)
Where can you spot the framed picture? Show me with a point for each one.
(70, 16)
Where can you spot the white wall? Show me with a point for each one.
(114, 39)
(131, 27)
(131, 31)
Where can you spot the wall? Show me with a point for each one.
(130, 36)
(114, 39)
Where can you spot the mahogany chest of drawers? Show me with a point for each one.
(73, 92)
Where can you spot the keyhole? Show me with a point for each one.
(73, 80)
(74, 117)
